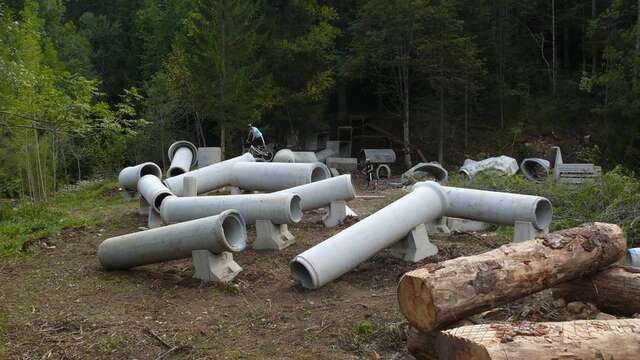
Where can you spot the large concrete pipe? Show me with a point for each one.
(182, 155)
(326, 153)
(344, 251)
(288, 156)
(321, 193)
(498, 207)
(129, 176)
(535, 169)
(224, 232)
(275, 176)
(209, 177)
(153, 190)
(278, 208)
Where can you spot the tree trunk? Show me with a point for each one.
(422, 345)
(441, 129)
(582, 339)
(442, 293)
(43, 186)
(342, 102)
(554, 68)
(223, 141)
(593, 44)
(636, 57)
(466, 114)
(565, 47)
(406, 138)
(615, 290)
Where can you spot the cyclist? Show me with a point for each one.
(255, 136)
(368, 172)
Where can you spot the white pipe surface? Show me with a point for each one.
(224, 232)
(129, 176)
(344, 251)
(210, 177)
(321, 193)
(498, 207)
(324, 154)
(153, 190)
(278, 208)
(182, 155)
(260, 176)
(288, 156)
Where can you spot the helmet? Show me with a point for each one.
(250, 125)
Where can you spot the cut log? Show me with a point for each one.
(442, 293)
(422, 345)
(582, 339)
(615, 290)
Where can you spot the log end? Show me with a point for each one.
(416, 304)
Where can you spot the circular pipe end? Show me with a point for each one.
(544, 213)
(234, 231)
(183, 143)
(535, 169)
(352, 189)
(438, 189)
(295, 208)
(303, 273)
(319, 172)
(150, 168)
(284, 156)
(157, 202)
(175, 171)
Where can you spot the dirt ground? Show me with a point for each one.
(60, 304)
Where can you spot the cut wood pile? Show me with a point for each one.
(579, 264)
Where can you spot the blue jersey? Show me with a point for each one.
(256, 133)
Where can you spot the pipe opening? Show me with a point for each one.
(544, 214)
(383, 171)
(301, 274)
(234, 232)
(175, 172)
(150, 169)
(534, 170)
(158, 200)
(295, 208)
(318, 173)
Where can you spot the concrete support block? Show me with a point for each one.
(336, 213)
(270, 236)
(438, 227)
(209, 156)
(415, 246)
(524, 230)
(143, 209)
(189, 186)
(334, 172)
(234, 190)
(216, 268)
(154, 220)
(343, 164)
(466, 225)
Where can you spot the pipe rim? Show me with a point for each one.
(543, 212)
(159, 199)
(295, 208)
(438, 189)
(175, 171)
(233, 230)
(528, 165)
(319, 172)
(284, 156)
(149, 168)
(303, 273)
(183, 143)
(351, 188)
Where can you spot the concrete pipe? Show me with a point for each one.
(275, 176)
(321, 193)
(208, 178)
(498, 207)
(153, 190)
(129, 176)
(182, 155)
(288, 156)
(324, 154)
(535, 169)
(278, 208)
(344, 251)
(633, 257)
(224, 232)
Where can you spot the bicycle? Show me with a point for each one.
(261, 153)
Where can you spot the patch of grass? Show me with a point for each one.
(364, 327)
(88, 206)
(4, 330)
(613, 198)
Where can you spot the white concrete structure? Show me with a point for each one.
(344, 251)
(275, 176)
(501, 164)
(153, 191)
(535, 169)
(209, 156)
(288, 156)
(326, 153)
(129, 176)
(182, 155)
(279, 208)
(344, 164)
(217, 234)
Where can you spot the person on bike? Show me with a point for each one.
(368, 171)
(255, 137)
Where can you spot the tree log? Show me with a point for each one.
(439, 294)
(582, 339)
(615, 290)
(422, 345)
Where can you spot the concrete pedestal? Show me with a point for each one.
(209, 267)
(415, 247)
(523, 231)
(270, 236)
(336, 213)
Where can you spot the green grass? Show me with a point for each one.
(614, 198)
(86, 207)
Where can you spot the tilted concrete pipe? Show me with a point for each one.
(153, 190)
(278, 208)
(324, 154)
(129, 176)
(535, 169)
(224, 232)
(321, 193)
(182, 155)
(344, 251)
(210, 177)
(261, 176)
(288, 156)
(498, 207)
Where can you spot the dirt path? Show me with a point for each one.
(60, 304)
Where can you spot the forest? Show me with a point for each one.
(89, 86)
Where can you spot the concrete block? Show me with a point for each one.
(143, 209)
(336, 213)
(343, 164)
(466, 225)
(208, 156)
(217, 268)
(154, 220)
(270, 236)
(416, 246)
(524, 230)
(438, 227)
